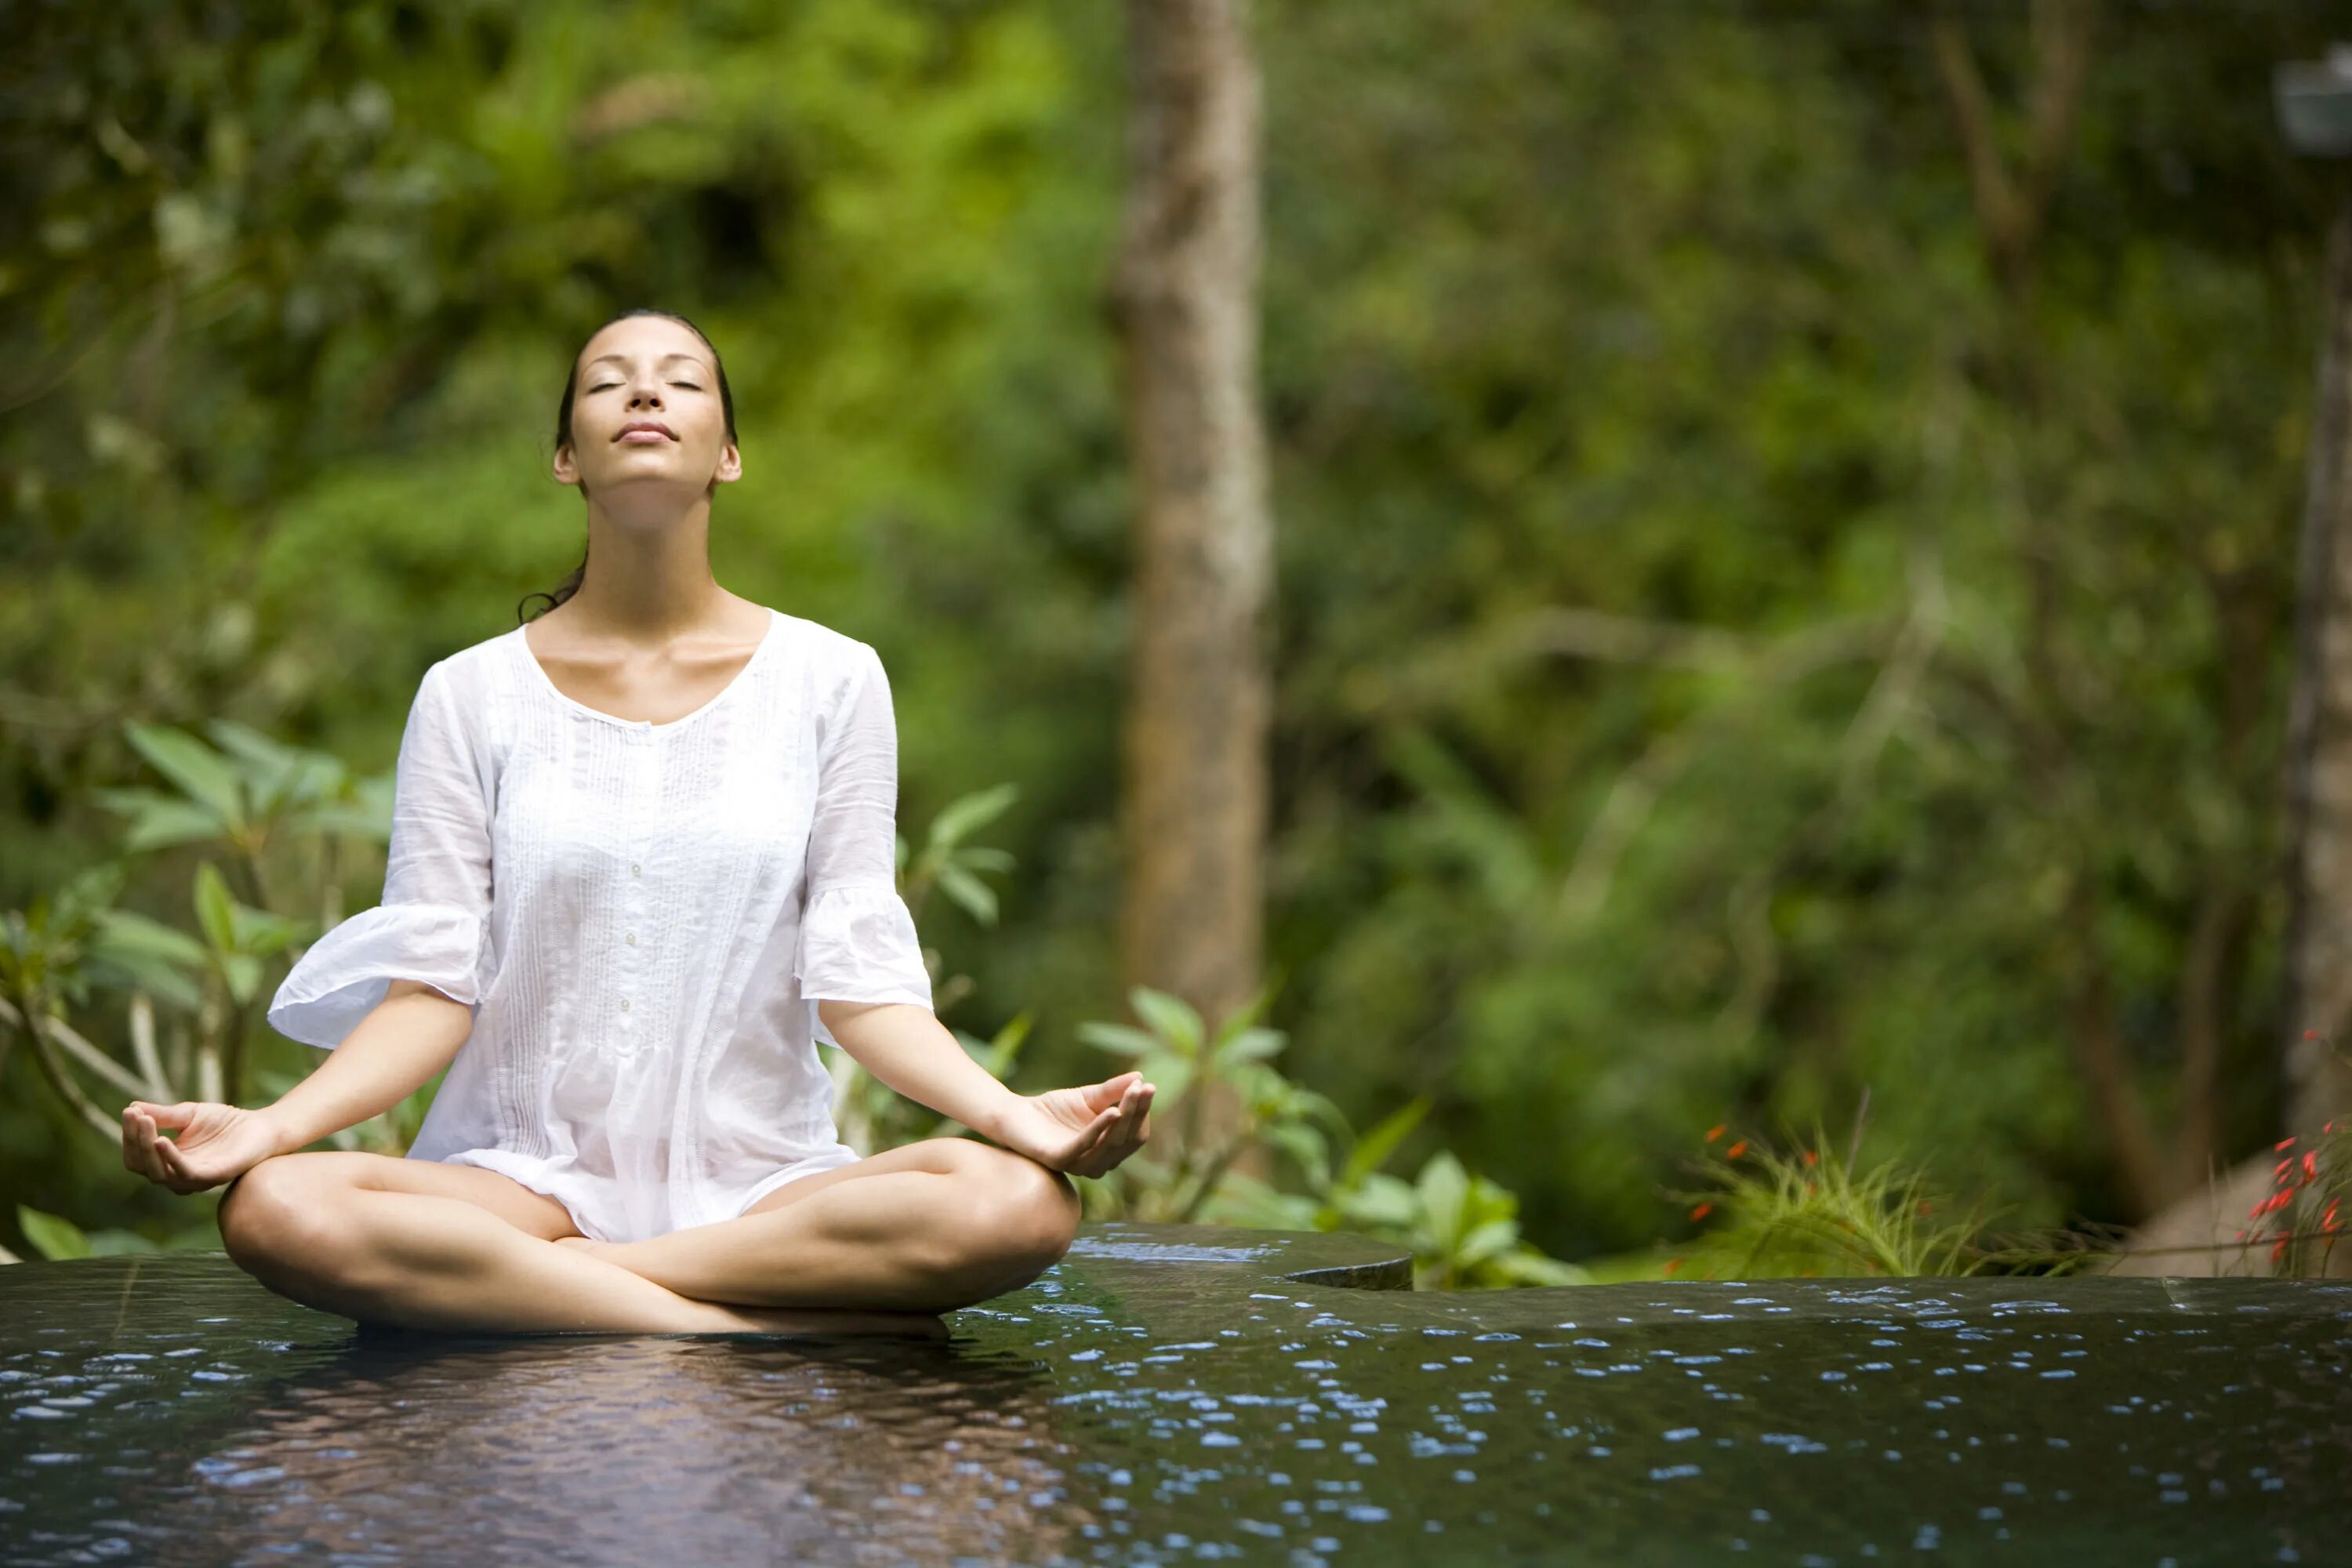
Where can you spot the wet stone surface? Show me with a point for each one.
(1181, 1394)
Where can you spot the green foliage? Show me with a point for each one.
(1814, 1214)
(1704, 678)
(57, 1238)
(1462, 1229)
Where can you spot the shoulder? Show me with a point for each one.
(838, 663)
(474, 678)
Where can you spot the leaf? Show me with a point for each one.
(243, 972)
(1305, 1143)
(1123, 1039)
(1171, 1018)
(1168, 1073)
(215, 909)
(1445, 1188)
(158, 821)
(1373, 1149)
(966, 813)
(117, 1243)
(1251, 1045)
(974, 897)
(149, 954)
(1529, 1267)
(1491, 1239)
(200, 773)
(1383, 1200)
(53, 1236)
(127, 931)
(362, 820)
(279, 774)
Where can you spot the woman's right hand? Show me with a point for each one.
(216, 1143)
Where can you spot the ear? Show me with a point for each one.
(566, 466)
(731, 464)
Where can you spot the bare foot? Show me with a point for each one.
(730, 1317)
(804, 1320)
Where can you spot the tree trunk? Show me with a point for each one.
(2317, 1084)
(1193, 802)
(2319, 733)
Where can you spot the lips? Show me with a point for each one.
(639, 429)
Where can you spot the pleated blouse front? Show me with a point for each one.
(642, 918)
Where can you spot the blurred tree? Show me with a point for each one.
(1193, 787)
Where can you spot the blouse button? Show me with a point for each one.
(635, 870)
(625, 1003)
(631, 938)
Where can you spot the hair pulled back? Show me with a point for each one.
(570, 585)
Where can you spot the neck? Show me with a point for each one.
(649, 573)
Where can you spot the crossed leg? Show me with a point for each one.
(424, 1244)
(926, 1228)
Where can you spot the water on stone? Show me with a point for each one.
(1186, 1394)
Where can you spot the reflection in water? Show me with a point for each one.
(1166, 1396)
(628, 1450)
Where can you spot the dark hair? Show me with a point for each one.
(570, 585)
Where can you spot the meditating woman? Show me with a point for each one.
(643, 848)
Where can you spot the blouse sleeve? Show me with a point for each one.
(857, 940)
(433, 924)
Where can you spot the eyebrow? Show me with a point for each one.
(623, 359)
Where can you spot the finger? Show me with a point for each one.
(129, 1139)
(173, 1116)
(1090, 1138)
(142, 1146)
(1108, 1091)
(1124, 1132)
(176, 1164)
(1138, 1116)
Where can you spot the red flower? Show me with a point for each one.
(2282, 1145)
(2280, 1250)
(1926, 1207)
(1737, 1150)
(2311, 1033)
(1715, 1132)
(2310, 1168)
(2278, 1172)
(1811, 1158)
(1673, 1264)
(1702, 1211)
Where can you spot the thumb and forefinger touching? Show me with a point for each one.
(145, 1151)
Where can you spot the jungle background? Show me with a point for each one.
(1784, 524)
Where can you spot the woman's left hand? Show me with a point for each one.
(1086, 1131)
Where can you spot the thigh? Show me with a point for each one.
(945, 1156)
(529, 1211)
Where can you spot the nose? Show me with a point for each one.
(646, 396)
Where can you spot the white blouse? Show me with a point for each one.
(642, 918)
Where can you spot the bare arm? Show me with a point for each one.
(404, 1040)
(412, 1034)
(1084, 1130)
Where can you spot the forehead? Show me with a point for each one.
(643, 337)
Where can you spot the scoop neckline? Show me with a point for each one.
(547, 682)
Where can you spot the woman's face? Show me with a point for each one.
(646, 411)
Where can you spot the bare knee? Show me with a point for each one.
(276, 1223)
(1023, 1219)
